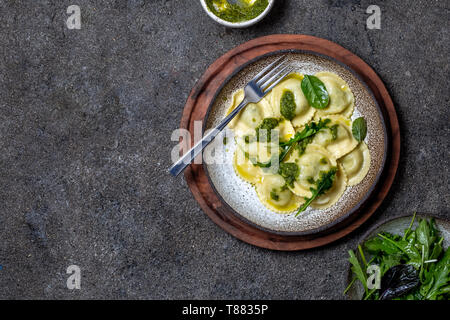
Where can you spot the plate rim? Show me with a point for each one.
(200, 186)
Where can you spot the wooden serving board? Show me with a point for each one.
(202, 96)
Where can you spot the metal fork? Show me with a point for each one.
(255, 90)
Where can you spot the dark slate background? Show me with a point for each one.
(85, 123)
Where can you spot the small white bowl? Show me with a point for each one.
(242, 24)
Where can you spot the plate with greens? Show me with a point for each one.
(406, 258)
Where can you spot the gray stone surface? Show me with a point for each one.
(85, 123)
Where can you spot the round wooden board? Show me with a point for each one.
(202, 96)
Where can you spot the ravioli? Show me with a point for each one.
(262, 152)
(330, 197)
(315, 160)
(356, 164)
(303, 112)
(275, 196)
(286, 130)
(342, 100)
(251, 116)
(338, 138)
(245, 169)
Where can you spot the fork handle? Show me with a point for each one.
(189, 156)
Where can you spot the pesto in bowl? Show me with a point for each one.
(243, 10)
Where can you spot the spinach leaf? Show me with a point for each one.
(359, 129)
(398, 281)
(315, 92)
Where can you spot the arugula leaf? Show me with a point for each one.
(358, 270)
(440, 278)
(333, 130)
(423, 234)
(303, 136)
(408, 248)
(408, 230)
(301, 146)
(323, 184)
(315, 92)
(359, 129)
(309, 131)
(377, 245)
(437, 249)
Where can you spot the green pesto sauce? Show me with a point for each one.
(287, 105)
(242, 11)
(301, 146)
(267, 124)
(289, 171)
(274, 195)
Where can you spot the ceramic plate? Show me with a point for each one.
(241, 197)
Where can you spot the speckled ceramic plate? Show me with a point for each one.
(231, 203)
(395, 226)
(241, 197)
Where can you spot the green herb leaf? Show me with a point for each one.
(303, 138)
(358, 270)
(440, 277)
(408, 248)
(309, 131)
(377, 245)
(423, 233)
(323, 184)
(359, 129)
(315, 92)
